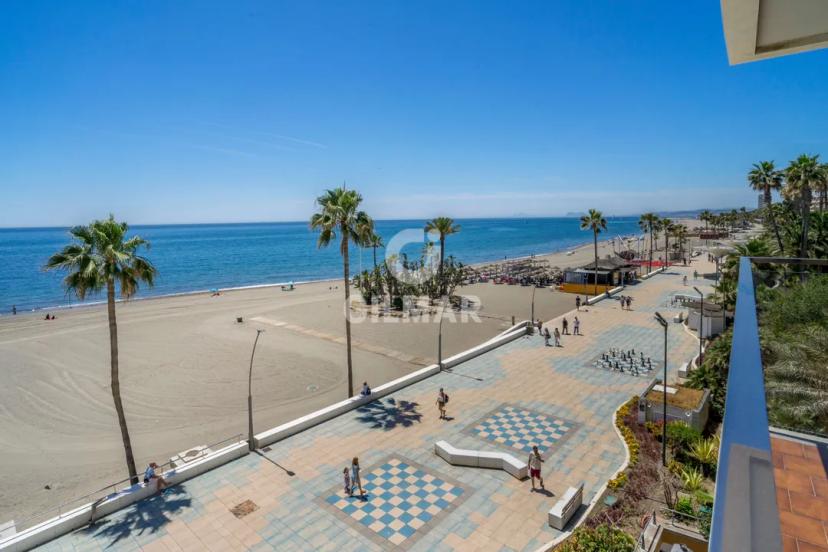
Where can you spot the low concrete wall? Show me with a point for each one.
(603, 296)
(315, 418)
(653, 273)
(80, 516)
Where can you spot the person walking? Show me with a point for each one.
(442, 400)
(546, 336)
(577, 302)
(356, 482)
(346, 476)
(14, 309)
(695, 274)
(685, 279)
(557, 338)
(534, 462)
(539, 325)
(565, 326)
(629, 303)
(576, 326)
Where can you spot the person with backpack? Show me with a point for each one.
(442, 400)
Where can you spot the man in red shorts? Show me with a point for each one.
(535, 467)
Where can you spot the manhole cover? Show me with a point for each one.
(244, 508)
(313, 387)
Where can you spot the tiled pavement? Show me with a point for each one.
(801, 493)
(519, 394)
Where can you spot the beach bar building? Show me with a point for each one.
(612, 272)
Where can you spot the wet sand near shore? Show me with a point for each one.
(184, 366)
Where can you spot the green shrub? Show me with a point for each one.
(685, 506)
(692, 479)
(600, 539)
(704, 499)
(681, 438)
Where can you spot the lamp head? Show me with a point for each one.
(660, 319)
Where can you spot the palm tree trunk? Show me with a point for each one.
(806, 219)
(375, 256)
(440, 275)
(346, 267)
(666, 248)
(595, 244)
(651, 248)
(115, 382)
(772, 219)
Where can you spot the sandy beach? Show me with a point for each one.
(184, 367)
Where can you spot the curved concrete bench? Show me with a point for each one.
(481, 459)
(566, 507)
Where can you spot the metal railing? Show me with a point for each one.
(105, 492)
(745, 515)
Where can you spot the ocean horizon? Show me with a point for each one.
(198, 257)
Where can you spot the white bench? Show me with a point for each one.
(481, 459)
(566, 507)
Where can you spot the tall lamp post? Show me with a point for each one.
(250, 444)
(532, 313)
(664, 394)
(701, 322)
(440, 336)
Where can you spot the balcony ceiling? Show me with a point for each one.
(759, 29)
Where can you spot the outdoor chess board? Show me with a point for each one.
(403, 500)
(521, 428)
(630, 362)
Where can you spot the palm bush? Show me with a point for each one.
(706, 453)
(691, 479)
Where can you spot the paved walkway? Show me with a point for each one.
(518, 395)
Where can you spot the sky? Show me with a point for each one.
(184, 112)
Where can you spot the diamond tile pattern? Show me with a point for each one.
(402, 499)
(521, 429)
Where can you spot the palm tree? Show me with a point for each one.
(100, 256)
(375, 241)
(823, 188)
(680, 233)
(647, 223)
(666, 226)
(339, 213)
(595, 221)
(802, 176)
(765, 178)
(443, 226)
(705, 216)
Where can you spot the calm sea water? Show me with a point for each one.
(205, 256)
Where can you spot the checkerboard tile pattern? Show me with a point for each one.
(520, 428)
(403, 499)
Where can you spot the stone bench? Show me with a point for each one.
(684, 370)
(566, 507)
(481, 459)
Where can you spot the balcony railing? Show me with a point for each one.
(745, 516)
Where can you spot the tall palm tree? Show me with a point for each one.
(339, 214)
(680, 233)
(374, 242)
(706, 216)
(647, 223)
(595, 221)
(666, 226)
(444, 226)
(802, 176)
(101, 256)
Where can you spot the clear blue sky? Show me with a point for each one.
(238, 111)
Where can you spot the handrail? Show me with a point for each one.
(745, 515)
(98, 495)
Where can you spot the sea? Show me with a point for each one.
(201, 257)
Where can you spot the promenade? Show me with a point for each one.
(521, 394)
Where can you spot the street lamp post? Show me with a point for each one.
(701, 324)
(532, 312)
(440, 336)
(663, 323)
(250, 444)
